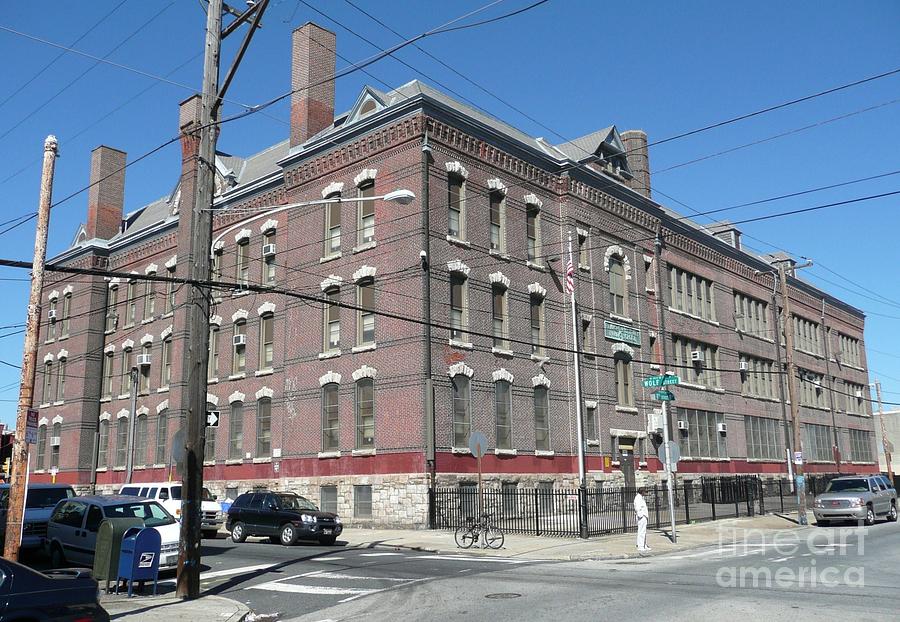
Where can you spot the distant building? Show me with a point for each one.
(362, 410)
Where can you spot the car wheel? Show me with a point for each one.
(822, 522)
(870, 515)
(327, 540)
(57, 558)
(238, 534)
(892, 515)
(288, 534)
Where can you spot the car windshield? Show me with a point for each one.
(206, 496)
(847, 485)
(151, 513)
(296, 502)
(39, 497)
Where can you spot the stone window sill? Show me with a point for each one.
(59, 403)
(109, 332)
(461, 451)
(365, 246)
(505, 452)
(209, 463)
(162, 389)
(330, 354)
(139, 467)
(695, 317)
(584, 268)
(167, 314)
(160, 466)
(129, 325)
(328, 258)
(761, 398)
(121, 468)
(744, 333)
(650, 290)
(706, 459)
(212, 381)
(329, 454)
(539, 359)
(261, 460)
(147, 320)
(239, 376)
(124, 396)
(589, 353)
(239, 293)
(99, 470)
(233, 461)
(264, 372)
(502, 352)
(700, 387)
(627, 409)
(459, 242)
(593, 443)
(536, 266)
(369, 451)
(654, 366)
(621, 318)
(465, 345)
(498, 254)
(808, 353)
(102, 400)
(364, 348)
(544, 453)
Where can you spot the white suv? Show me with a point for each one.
(169, 495)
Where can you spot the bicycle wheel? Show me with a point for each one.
(494, 538)
(464, 537)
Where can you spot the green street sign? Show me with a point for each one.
(660, 381)
(664, 396)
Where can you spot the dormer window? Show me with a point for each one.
(368, 108)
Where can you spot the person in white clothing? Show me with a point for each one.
(643, 515)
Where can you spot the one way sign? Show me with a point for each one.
(212, 418)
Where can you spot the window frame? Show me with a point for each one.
(365, 210)
(331, 318)
(236, 431)
(361, 425)
(497, 221)
(239, 352)
(365, 312)
(618, 286)
(162, 436)
(459, 314)
(461, 409)
(541, 401)
(331, 422)
(264, 432)
(459, 209)
(267, 343)
(503, 420)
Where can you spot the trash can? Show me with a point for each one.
(109, 543)
(139, 557)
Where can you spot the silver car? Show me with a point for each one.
(860, 498)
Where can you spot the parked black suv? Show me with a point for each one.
(282, 516)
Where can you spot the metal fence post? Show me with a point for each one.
(688, 486)
(781, 495)
(537, 512)
(762, 498)
(656, 503)
(431, 508)
(624, 510)
(712, 500)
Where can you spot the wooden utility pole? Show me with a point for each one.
(793, 395)
(885, 442)
(196, 339)
(19, 469)
(787, 433)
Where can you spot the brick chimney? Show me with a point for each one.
(312, 63)
(106, 196)
(638, 160)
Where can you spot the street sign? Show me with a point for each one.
(798, 457)
(669, 448)
(31, 426)
(177, 452)
(212, 418)
(660, 381)
(477, 444)
(664, 396)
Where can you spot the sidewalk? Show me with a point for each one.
(169, 608)
(572, 549)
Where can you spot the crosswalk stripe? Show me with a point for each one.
(341, 575)
(228, 572)
(274, 586)
(380, 554)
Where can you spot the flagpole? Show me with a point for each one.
(570, 286)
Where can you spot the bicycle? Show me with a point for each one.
(482, 530)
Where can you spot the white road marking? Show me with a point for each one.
(341, 575)
(381, 554)
(781, 559)
(228, 572)
(323, 559)
(459, 558)
(274, 586)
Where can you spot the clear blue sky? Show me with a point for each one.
(571, 65)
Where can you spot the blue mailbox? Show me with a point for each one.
(139, 557)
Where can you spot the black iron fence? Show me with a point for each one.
(610, 510)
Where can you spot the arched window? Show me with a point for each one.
(266, 341)
(166, 367)
(365, 413)
(366, 223)
(209, 445)
(624, 396)
(54, 444)
(121, 441)
(541, 419)
(162, 435)
(239, 358)
(333, 225)
(140, 440)
(103, 448)
(264, 428)
(236, 431)
(618, 299)
(366, 314)
(330, 421)
(462, 419)
(502, 410)
(41, 447)
(459, 311)
(48, 383)
(456, 204)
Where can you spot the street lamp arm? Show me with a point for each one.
(403, 197)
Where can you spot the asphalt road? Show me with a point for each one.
(811, 574)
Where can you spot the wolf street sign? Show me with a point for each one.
(660, 381)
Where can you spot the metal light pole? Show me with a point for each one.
(19, 475)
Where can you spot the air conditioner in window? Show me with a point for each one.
(54, 441)
(239, 340)
(683, 425)
(51, 315)
(859, 395)
(744, 366)
(143, 360)
(268, 250)
(697, 356)
(722, 428)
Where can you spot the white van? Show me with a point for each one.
(168, 494)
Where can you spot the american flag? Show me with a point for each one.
(570, 276)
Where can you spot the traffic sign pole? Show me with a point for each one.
(670, 484)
